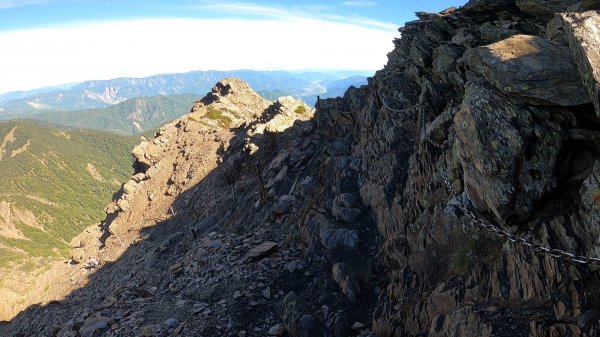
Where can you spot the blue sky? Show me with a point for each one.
(49, 42)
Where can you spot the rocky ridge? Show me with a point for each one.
(343, 224)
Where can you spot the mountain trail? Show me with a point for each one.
(456, 194)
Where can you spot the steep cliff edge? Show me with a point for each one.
(456, 194)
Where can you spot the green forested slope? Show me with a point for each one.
(53, 182)
(134, 116)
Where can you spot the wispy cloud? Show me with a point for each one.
(247, 9)
(362, 21)
(359, 3)
(6, 4)
(320, 12)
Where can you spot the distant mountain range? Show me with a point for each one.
(90, 99)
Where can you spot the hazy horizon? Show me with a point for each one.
(350, 72)
(53, 42)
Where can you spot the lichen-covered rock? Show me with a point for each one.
(537, 70)
(582, 31)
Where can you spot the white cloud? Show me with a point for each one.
(359, 3)
(41, 57)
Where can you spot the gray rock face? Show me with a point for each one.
(554, 31)
(582, 30)
(341, 326)
(346, 200)
(307, 187)
(284, 204)
(590, 209)
(493, 136)
(587, 5)
(298, 319)
(444, 59)
(531, 67)
(171, 323)
(343, 208)
(345, 214)
(261, 250)
(338, 238)
(339, 148)
(345, 277)
(461, 322)
(587, 319)
(545, 8)
(94, 326)
(330, 236)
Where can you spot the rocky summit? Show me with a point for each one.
(457, 194)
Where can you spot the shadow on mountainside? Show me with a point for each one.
(483, 196)
(223, 255)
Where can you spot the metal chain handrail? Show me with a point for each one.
(537, 247)
(391, 109)
(485, 224)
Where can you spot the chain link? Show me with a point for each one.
(537, 247)
(481, 222)
(394, 110)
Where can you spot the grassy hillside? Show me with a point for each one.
(134, 116)
(55, 181)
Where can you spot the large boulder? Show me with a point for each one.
(507, 159)
(545, 8)
(582, 30)
(537, 70)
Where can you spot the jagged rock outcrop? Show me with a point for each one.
(430, 202)
(581, 31)
(484, 124)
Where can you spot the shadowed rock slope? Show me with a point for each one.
(379, 215)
